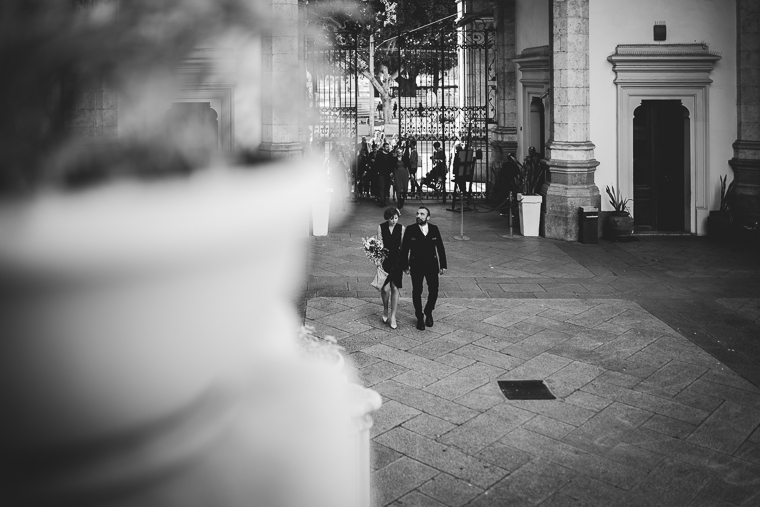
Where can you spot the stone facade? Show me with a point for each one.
(504, 136)
(281, 66)
(95, 116)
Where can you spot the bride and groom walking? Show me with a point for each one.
(418, 251)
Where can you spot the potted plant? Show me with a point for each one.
(720, 221)
(527, 179)
(619, 223)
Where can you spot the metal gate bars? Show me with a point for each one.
(447, 92)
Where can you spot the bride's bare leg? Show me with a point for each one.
(385, 294)
(394, 303)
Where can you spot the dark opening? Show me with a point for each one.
(660, 165)
(536, 124)
(525, 390)
(193, 125)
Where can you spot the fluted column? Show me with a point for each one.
(282, 83)
(746, 161)
(570, 153)
(504, 136)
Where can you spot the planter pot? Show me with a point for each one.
(154, 324)
(617, 225)
(530, 214)
(719, 225)
(320, 215)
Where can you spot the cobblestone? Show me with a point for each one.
(655, 365)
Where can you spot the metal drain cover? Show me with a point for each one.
(525, 390)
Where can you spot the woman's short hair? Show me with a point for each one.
(390, 212)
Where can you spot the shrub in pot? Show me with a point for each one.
(528, 178)
(619, 223)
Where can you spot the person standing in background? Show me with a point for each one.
(386, 165)
(401, 178)
(415, 162)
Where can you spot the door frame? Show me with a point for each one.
(666, 72)
(534, 66)
(626, 183)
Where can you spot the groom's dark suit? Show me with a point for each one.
(424, 256)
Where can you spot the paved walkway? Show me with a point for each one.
(652, 348)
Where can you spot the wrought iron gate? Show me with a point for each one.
(447, 92)
(331, 55)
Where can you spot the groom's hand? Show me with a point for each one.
(406, 271)
(443, 270)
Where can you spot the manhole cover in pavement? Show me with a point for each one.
(525, 390)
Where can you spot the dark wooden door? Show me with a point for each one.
(659, 134)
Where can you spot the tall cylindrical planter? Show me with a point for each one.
(320, 214)
(530, 214)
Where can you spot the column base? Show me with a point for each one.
(746, 205)
(571, 186)
(281, 150)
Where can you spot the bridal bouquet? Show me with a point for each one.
(376, 253)
(374, 250)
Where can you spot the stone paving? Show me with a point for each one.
(652, 348)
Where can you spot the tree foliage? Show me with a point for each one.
(390, 23)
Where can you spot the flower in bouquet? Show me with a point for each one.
(374, 250)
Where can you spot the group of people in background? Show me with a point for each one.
(382, 168)
(393, 164)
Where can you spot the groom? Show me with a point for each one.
(418, 255)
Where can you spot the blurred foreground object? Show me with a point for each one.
(81, 67)
(149, 353)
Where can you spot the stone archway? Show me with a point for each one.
(666, 72)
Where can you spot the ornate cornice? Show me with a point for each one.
(667, 50)
(534, 58)
(690, 63)
(534, 64)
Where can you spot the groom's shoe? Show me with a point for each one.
(429, 320)
(420, 324)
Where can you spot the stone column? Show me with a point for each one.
(282, 82)
(570, 153)
(504, 136)
(94, 117)
(746, 161)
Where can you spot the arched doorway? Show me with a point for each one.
(661, 166)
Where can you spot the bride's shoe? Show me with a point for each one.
(385, 316)
(393, 324)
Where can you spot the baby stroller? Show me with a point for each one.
(435, 177)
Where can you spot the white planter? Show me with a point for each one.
(530, 214)
(320, 215)
(154, 324)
